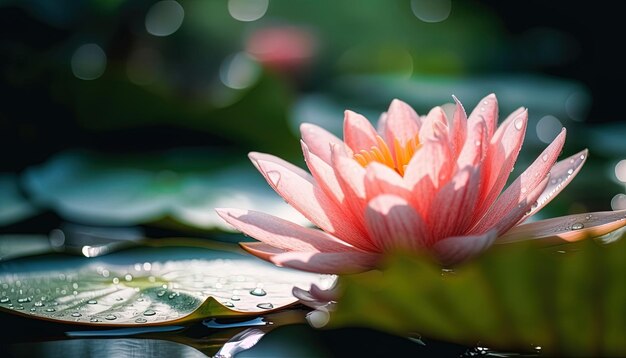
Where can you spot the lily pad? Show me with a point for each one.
(148, 286)
(568, 302)
(126, 190)
(13, 206)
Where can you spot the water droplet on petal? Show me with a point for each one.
(110, 317)
(50, 309)
(228, 304)
(149, 312)
(23, 300)
(141, 320)
(523, 190)
(172, 295)
(582, 156)
(5, 299)
(76, 314)
(39, 304)
(160, 293)
(235, 298)
(265, 306)
(92, 302)
(570, 171)
(544, 157)
(577, 226)
(519, 124)
(477, 143)
(94, 320)
(258, 292)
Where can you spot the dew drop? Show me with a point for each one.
(50, 309)
(5, 299)
(582, 156)
(571, 161)
(160, 293)
(33, 309)
(76, 314)
(482, 109)
(544, 157)
(172, 295)
(92, 302)
(570, 171)
(23, 299)
(141, 320)
(140, 299)
(477, 143)
(577, 226)
(39, 304)
(19, 308)
(523, 190)
(258, 292)
(119, 299)
(110, 317)
(94, 320)
(228, 304)
(75, 285)
(519, 124)
(149, 312)
(235, 298)
(265, 306)
(485, 103)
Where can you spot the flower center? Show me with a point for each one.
(381, 153)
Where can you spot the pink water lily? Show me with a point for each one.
(420, 183)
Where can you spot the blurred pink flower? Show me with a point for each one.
(428, 183)
(284, 49)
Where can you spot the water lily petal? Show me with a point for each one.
(401, 124)
(429, 168)
(323, 174)
(309, 199)
(433, 123)
(380, 179)
(561, 174)
(329, 263)
(502, 154)
(392, 223)
(319, 140)
(358, 132)
(455, 250)
(527, 181)
(351, 178)
(458, 128)
(281, 233)
(503, 221)
(255, 157)
(567, 228)
(261, 249)
(487, 111)
(475, 146)
(453, 203)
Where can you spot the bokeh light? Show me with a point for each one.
(88, 62)
(431, 10)
(239, 71)
(618, 202)
(620, 171)
(548, 128)
(247, 10)
(164, 18)
(577, 105)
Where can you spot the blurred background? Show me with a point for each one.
(119, 112)
(121, 120)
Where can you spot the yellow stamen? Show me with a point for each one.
(380, 153)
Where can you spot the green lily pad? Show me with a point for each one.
(126, 190)
(13, 206)
(568, 302)
(148, 286)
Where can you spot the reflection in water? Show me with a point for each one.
(126, 347)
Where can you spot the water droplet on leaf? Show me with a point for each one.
(258, 292)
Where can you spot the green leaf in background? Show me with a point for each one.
(568, 302)
(13, 206)
(182, 185)
(148, 286)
